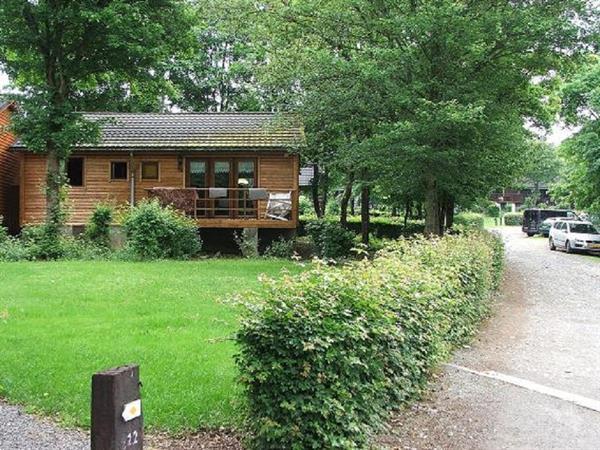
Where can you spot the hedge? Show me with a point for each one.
(513, 219)
(470, 220)
(325, 355)
(381, 227)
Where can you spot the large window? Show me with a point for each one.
(230, 180)
(150, 170)
(75, 171)
(118, 170)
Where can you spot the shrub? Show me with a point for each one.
(325, 355)
(305, 247)
(331, 239)
(513, 219)
(3, 231)
(470, 220)
(43, 241)
(281, 248)
(384, 227)
(155, 232)
(13, 249)
(98, 228)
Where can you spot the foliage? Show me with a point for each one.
(43, 242)
(580, 186)
(325, 355)
(12, 249)
(155, 232)
(65, 56)
(381, 226)
(331, 239)
(3, 232)
(281, 248)
(166, 314)
(304, 205)
(247, 242)
(512, 219)
(98, 228)
(407, 94)
(470, 220)
(305, 247)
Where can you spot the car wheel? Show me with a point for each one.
(568, 248)
(551, 244)
(530, 234)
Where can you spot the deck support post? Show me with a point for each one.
(250, 236)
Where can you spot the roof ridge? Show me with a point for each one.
(187, 113)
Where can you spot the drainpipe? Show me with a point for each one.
(131, 180)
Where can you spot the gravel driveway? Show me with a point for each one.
(546, 330)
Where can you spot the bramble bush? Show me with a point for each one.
(157, 232)
(281, 248)
(513, 219)
(325, 355)
(331, 239)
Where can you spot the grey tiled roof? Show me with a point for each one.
(202, 131)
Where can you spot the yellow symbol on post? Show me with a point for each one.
(132, 410)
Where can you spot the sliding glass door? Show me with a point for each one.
(223, 186)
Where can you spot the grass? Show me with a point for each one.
(61, 322)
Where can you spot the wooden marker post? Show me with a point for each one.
(117, 422)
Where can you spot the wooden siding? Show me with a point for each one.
(9, 170)
(275, 172)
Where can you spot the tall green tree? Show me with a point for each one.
(434, 92)
(64, 55)
(580, 185)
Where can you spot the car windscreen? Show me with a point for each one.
(583, 228)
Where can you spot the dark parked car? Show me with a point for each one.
(533, 218)
(546, 225)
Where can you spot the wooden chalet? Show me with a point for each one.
(225, 170)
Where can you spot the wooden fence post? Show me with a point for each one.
(117, 422)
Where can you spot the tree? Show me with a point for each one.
(580, 185)
(63, 54)
(435, 93)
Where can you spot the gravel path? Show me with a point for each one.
(20, 431)
(546, 329)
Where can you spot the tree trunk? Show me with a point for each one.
(407, 212)
(432, 207)
(365, 213)
(450, 212)
(315, 191)
(53, 186)
(352, 206)
(325, 192)
(345, 199)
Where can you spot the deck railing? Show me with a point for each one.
(236, 204)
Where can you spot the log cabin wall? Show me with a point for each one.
(276, 171)
(9, 173)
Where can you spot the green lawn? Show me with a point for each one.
(61, 322)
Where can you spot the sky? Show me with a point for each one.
(558, 133)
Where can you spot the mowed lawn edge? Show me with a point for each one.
(62, 321)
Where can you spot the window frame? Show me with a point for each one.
(83, 168)
(157, 170)
(110, 170)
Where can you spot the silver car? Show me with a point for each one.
(574, 236)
